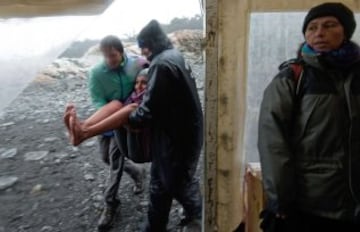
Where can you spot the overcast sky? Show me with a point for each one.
(127, 17)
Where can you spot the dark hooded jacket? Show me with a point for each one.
(170, 108)
(309, 142)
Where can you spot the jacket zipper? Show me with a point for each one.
(350, 144)
(350, 169)
(342, 90)
(121, 86)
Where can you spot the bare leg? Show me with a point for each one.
(99, 115)
(75, 129)
(82, 132)
(66, 117)
(103, 113)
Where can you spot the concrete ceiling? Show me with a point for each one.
(36, 8)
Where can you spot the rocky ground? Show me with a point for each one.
(45, 183)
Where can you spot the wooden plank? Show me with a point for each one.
(211, 122)
(232, 69)
(254, 197)
(227, 26)
(36, 8)
(295, 5)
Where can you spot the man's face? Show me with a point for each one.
(113, 57)
(146, 52)
(325, 34)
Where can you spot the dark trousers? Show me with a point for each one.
(303, 222)
(115, 158)
(185, 189)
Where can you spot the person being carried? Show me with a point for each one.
(111, 116)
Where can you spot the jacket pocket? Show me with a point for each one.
(321, 184)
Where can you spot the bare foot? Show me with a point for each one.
(76, 129)
(66, 118)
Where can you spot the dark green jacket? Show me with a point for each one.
(309, 142)
(106, 85)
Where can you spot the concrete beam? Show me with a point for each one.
(37, 8)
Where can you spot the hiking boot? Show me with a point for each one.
(107, 217)
(140, 182)
(191, 225)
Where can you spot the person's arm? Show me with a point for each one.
(104, 109)
(96, 91)
(276, 155)
(157, 96)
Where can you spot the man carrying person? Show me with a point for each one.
(111, 82)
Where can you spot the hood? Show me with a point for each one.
(154, 38)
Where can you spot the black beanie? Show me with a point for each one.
(337, 10)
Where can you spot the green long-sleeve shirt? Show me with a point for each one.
(107, 84)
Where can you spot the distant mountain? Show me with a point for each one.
(76, 61)
(78, 49)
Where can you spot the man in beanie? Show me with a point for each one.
(309, 130)
(171, 109)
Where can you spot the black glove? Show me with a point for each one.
(272, 222)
